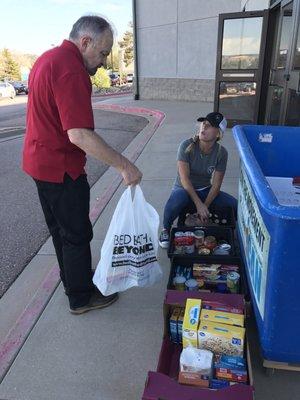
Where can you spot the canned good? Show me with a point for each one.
(191, 285)
(179, 283)
(210, 242)
(178, 234)
(233, 282)
(204, 251)
(189, 245)
(189, 234)
(222, 249)
(221, 288)
(199, 238)
(201, 283)
(179, 245)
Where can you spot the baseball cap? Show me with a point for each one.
(216, 119)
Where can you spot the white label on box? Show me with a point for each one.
(256, 240)
(265, 137)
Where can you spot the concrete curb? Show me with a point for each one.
(113, 94)
(17, 335)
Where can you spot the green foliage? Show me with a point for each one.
(9, 68)
(127, 44)
(113, 59)
(101, 79)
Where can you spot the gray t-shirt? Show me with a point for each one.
(202, 165)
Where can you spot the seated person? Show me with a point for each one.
(201, 162)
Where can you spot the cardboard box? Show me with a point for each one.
(191, 322)
(217, 306)
(162, 384)
(173, 324)
(222, 317)
(233, 375)
(193, 379)
(221, 338)
(179, 325)
(196, 367)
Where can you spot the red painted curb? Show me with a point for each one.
(16, 337)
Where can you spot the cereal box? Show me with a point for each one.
(217, 306)
(222, 317)
(221, 338)
(173, 324)
(234, 375)
(179, 325)
(191, 322)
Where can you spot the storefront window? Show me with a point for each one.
(293, 116)
(286, 31)
(241, 43)
(237, 100)
(297, 52)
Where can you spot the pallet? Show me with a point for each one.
(272, 365)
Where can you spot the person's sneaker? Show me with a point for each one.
(97, 301)
(164, 239)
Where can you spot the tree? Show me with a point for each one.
(101, 79)
(113, 59)
(9, 69)
(127, 44)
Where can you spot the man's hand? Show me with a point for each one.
(131, 174)
(202, 212)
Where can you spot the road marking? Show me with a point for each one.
(7, 134)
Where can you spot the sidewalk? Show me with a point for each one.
(105, 355)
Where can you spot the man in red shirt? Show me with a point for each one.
(59, 134)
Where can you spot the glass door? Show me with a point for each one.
(292, 110)
(241, 49)
(283, 101)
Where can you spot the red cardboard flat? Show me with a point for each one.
(177, 297)
(161, 387)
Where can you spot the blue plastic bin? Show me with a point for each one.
(269, 234)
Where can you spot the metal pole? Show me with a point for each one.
(136, 64)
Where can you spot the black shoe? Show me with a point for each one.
(96, 301)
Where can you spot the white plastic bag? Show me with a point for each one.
(128, 254)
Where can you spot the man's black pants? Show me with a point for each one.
(66, 209)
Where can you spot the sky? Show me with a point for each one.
(34, 26)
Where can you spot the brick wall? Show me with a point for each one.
(177, 89)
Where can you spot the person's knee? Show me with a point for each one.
(80, 238)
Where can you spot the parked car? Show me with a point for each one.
(114, 79)
(7, 90)
(129, 78)
(20, 87)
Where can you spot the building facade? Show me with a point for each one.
(177, 46)
(184, 48)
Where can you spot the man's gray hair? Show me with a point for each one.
(92, 25)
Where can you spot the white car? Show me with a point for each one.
(7, 90)
(129, 78)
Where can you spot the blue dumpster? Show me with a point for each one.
(269, 233)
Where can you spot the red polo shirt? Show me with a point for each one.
(59, 99)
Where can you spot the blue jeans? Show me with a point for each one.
(180, 200)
